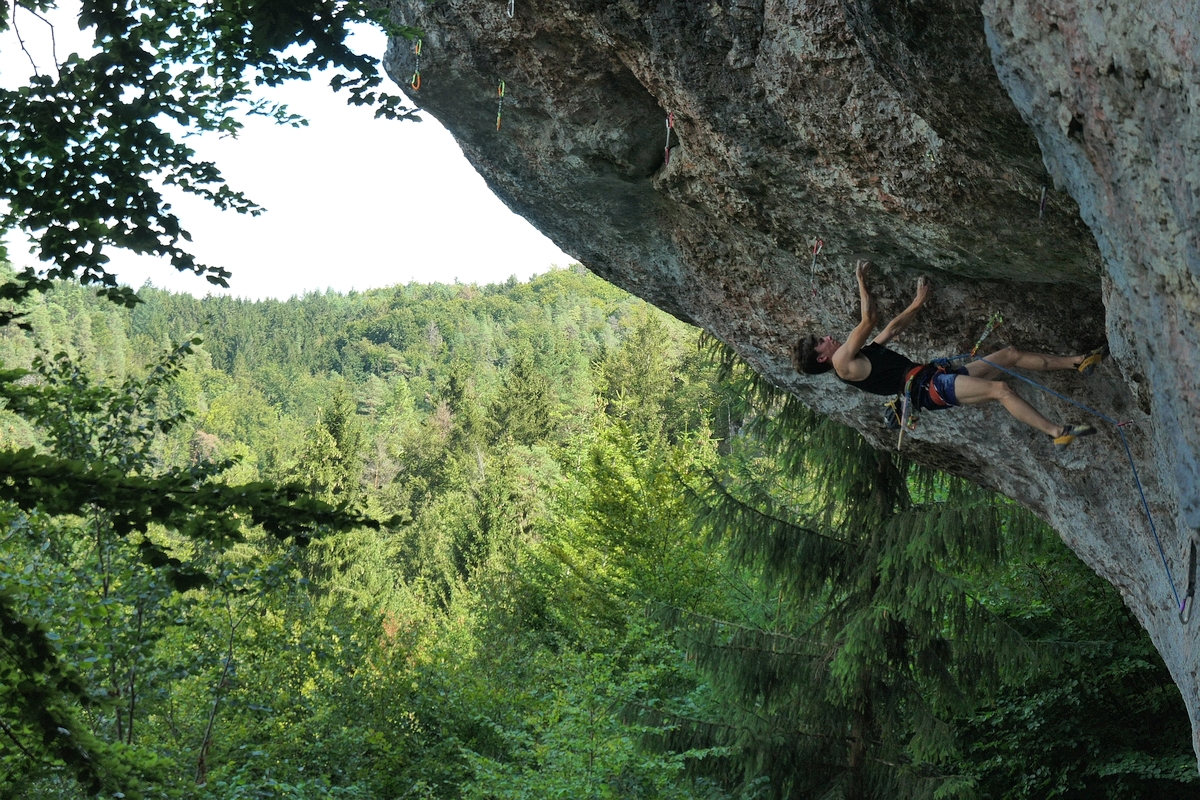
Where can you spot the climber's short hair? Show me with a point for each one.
(804, 356)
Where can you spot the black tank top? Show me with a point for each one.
(888, 369)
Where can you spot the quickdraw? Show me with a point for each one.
(500, 105)
(416, 78)
(995, 322)
(1042, 202)
(511, 7)
(667, 148)
(1185, 608)
(816, 251)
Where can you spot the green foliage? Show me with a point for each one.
(100, 469)
(523, 405)
(593, 595)
(1104, 722)
(873, 624)
(84, 142)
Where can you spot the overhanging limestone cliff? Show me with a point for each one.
(889, 131)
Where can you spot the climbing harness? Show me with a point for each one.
(816, 251)
(416, 78)
(500, 105)
(670, 127)
(1042, 202)
(903, 411)
(511, 7)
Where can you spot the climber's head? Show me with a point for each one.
(813, 355)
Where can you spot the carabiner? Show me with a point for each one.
(667, 148)
(500, 104)
(1185, 608)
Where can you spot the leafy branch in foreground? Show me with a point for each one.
(186, 500)
(86, 144)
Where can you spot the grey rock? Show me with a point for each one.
(921, 136)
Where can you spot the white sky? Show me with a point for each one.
(352, 202)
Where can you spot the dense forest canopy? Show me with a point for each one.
(527, 540)
(87, 145)
(612, 564)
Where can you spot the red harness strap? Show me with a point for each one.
(921, 378)
(934, 394)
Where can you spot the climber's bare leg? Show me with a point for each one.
(971, 390)
(1012, 358)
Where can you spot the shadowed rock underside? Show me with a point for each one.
(920, 135)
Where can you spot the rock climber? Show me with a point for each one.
(876, 369)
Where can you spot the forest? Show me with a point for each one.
(527, 540)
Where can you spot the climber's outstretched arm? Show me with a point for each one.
(858, 337)
(905, 317)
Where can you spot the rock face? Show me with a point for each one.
(1040, 159)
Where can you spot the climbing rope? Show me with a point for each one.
(416, 78)
(1184, 604)
(667, 148)
(816, 251)
(500, 105)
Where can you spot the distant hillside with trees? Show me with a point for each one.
(595, 557)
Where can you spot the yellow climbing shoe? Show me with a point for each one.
(1088, 365)
(1071, 432)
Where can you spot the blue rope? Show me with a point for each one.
(1128, 454)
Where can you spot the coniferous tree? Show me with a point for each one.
(864, 638)
(331, 462)
(523, 405)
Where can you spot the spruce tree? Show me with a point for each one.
(863, 638)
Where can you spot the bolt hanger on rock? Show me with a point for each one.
(995, 322)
